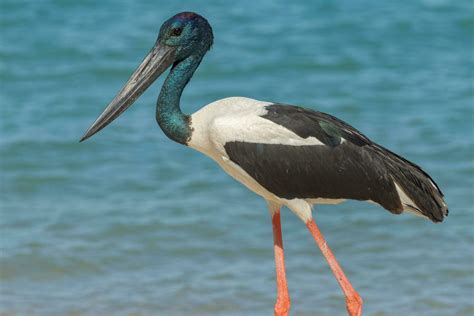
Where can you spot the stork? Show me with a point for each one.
(289, 155)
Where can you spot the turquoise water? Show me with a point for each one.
(129, 223)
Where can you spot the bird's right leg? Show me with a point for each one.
(282, 305)
(353, 300)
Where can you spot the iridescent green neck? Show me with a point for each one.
(174, 123)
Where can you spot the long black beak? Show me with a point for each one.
(154, 64)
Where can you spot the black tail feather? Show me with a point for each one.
(417, 185)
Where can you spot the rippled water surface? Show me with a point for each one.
(130, 223)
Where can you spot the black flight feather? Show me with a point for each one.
(347, 166)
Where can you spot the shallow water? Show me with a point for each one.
(130, 223)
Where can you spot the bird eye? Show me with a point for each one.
(176, 31)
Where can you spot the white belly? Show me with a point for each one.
(210, 141)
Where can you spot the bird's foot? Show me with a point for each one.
(282, 307)
(354, 305)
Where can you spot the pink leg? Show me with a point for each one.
(353, 300)
(282, 305)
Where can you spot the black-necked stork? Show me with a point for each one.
(289, 155)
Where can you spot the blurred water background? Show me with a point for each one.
(130, 223)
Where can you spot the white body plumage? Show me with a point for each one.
(240, 119)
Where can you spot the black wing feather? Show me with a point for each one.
(350, 166)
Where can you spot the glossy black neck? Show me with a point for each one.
(174, 123)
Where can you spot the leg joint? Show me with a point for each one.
(354, 304)
(282, 306)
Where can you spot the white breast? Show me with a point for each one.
(209, 140)
(239, 119)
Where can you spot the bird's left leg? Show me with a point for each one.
(282, 305)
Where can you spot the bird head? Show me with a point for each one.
(181, 36)
(188, 33)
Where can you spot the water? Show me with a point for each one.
(129, 223)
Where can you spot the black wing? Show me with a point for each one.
(347, 166)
